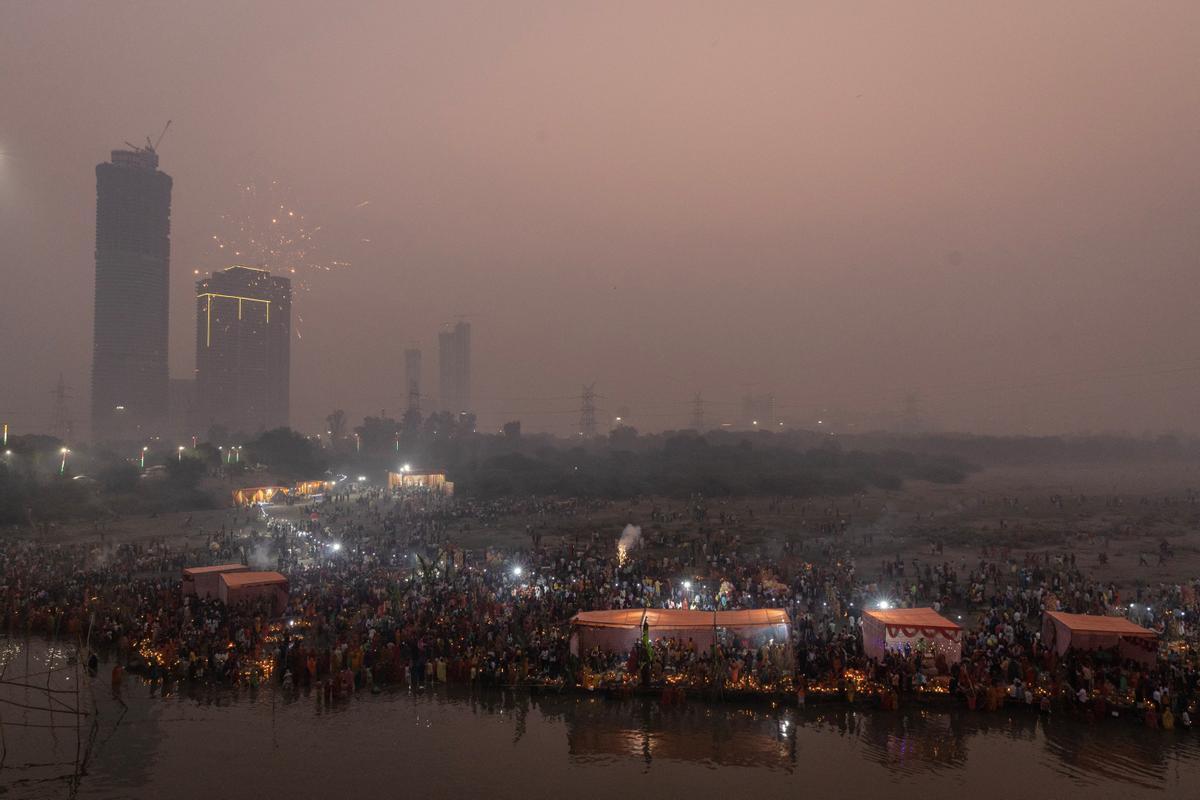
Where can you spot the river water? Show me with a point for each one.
(456, 743)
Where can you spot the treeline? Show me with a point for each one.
(684, 465)
(38, 485)
(1022, 450)
(622, 464)
(41, 485)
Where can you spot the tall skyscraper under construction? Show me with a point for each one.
(243, 350)
(133, 253)
(454, 369)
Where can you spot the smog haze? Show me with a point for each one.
(984, 214)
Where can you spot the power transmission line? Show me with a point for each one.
(587, 411)
(61, 424)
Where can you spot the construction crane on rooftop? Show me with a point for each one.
(151, 147)
(158, 141)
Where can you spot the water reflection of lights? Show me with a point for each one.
(601, 731)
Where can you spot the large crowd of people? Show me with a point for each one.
(379, 594)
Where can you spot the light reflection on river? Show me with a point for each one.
(268, 743)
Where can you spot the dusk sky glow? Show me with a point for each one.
(992, 206)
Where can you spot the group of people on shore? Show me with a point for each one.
(378, 595)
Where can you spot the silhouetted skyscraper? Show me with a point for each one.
(133, 253)
(243, 350)
(454, 369)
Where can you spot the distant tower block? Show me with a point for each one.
(243, 349)
(129, 335)
(454, 369)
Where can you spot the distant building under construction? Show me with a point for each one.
(133, 253)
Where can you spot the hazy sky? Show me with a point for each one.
(993, 206)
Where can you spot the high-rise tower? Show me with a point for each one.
(454, 369)
(133, 252)
(243, 350)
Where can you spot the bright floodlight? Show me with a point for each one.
(884, 604)
(687, 584)
(362, 478)
(517, 571)
(406, 468)
(336, 546)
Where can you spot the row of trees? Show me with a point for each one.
(683, 465)
(625, 463)
(36, 484)
(1014, 450)
(622, 465)
(43, 482)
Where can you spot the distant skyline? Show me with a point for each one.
(991, 209)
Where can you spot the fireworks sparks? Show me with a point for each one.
(270, 230)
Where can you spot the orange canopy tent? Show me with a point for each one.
(204, 581)
(617, 618)
(893, 628)
(619, 629)
(238, 587)
(1064, 632)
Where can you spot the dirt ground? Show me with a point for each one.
(1126, 510)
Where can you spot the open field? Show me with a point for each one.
(1081, 509)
